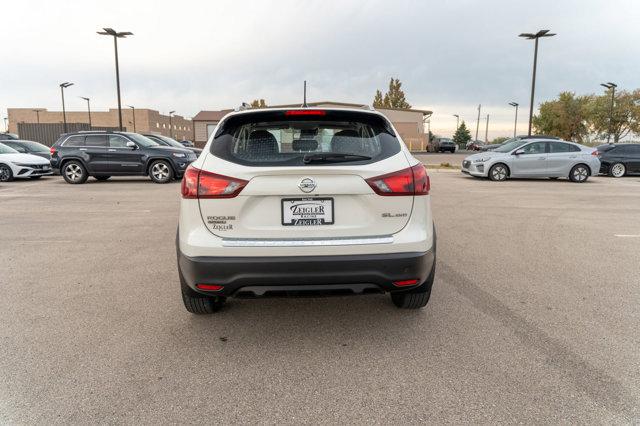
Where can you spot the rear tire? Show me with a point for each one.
(160, 171)
(6, 175)
(579, 173)
(617, 170)
(197, 303)
(419, 296)
(102, 178)
(74, 172)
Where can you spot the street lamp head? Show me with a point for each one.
(609, 85)
(114, 33)
(612, 84)
(66, 84)
(132, 107)
(456, 115)
(82, 97)
(513, 104)
(171, 112)
(541, 33)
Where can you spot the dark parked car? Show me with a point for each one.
(618, 160)
(8, 136)
(29, 147)
(167, 141)
(105, 154)
(445, 144)
(187, 143)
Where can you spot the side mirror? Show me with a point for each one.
(131, 145)
(518, 151)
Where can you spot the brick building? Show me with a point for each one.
(146, 120)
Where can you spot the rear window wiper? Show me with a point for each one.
(333, 157)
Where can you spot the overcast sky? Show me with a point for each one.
(191, 55)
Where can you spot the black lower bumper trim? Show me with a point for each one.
(284, 275)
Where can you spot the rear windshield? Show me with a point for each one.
(281, 138)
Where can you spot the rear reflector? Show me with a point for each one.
(410, 181)
(405, 283)
(596, 153)
(198, 183)
(304, 112)
(209, 287)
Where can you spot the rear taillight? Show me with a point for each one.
(198, 183)
(410, 181)
(405, 283)
(596, 153)
(209, 287)
(52, 150)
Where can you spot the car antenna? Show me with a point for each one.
(304, 101)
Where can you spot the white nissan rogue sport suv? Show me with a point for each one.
(286, 202)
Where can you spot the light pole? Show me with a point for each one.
(6, 128)
(170, 127)
(536, 37)
(478, 122)
(134, 117)
(515, 125)
(116, 36)
(457, 121)
(610, 86)
(64, 112)
(88, 109)
(37, 111)
(486, 131)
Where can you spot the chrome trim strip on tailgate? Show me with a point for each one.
(238, 242)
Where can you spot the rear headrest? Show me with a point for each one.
(261, 143)
(305, 145)
(345, 142)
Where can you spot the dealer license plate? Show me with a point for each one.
(307, 211)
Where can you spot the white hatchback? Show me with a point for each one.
(304, 201)
(16, 165)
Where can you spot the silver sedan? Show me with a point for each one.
(535, 158)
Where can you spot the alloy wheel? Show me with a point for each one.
(498, 173)
(580, 174)
(160, 171)
(73, 172)
(5, 173)
(618, 170)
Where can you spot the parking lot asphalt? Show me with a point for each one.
(533, 317)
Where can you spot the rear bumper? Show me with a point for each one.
(344, 274)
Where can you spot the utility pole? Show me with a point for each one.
(64, 112)
(88, 109)
(170, 121)
(37, 111)
(116, 35)
(457, 121)
(478, 122)
(611, 86)
(486, 131)
(515, 125)
(536, 37)
(134, 117)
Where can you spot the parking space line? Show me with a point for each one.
(627, 235)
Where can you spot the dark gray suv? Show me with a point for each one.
(105, 154)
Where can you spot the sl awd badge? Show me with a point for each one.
(307, 184)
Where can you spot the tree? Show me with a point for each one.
(625, 118)
(258, 103)
(462, 135)
(394, 98)
(378, 101)
(499, 139)
(567, 117)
